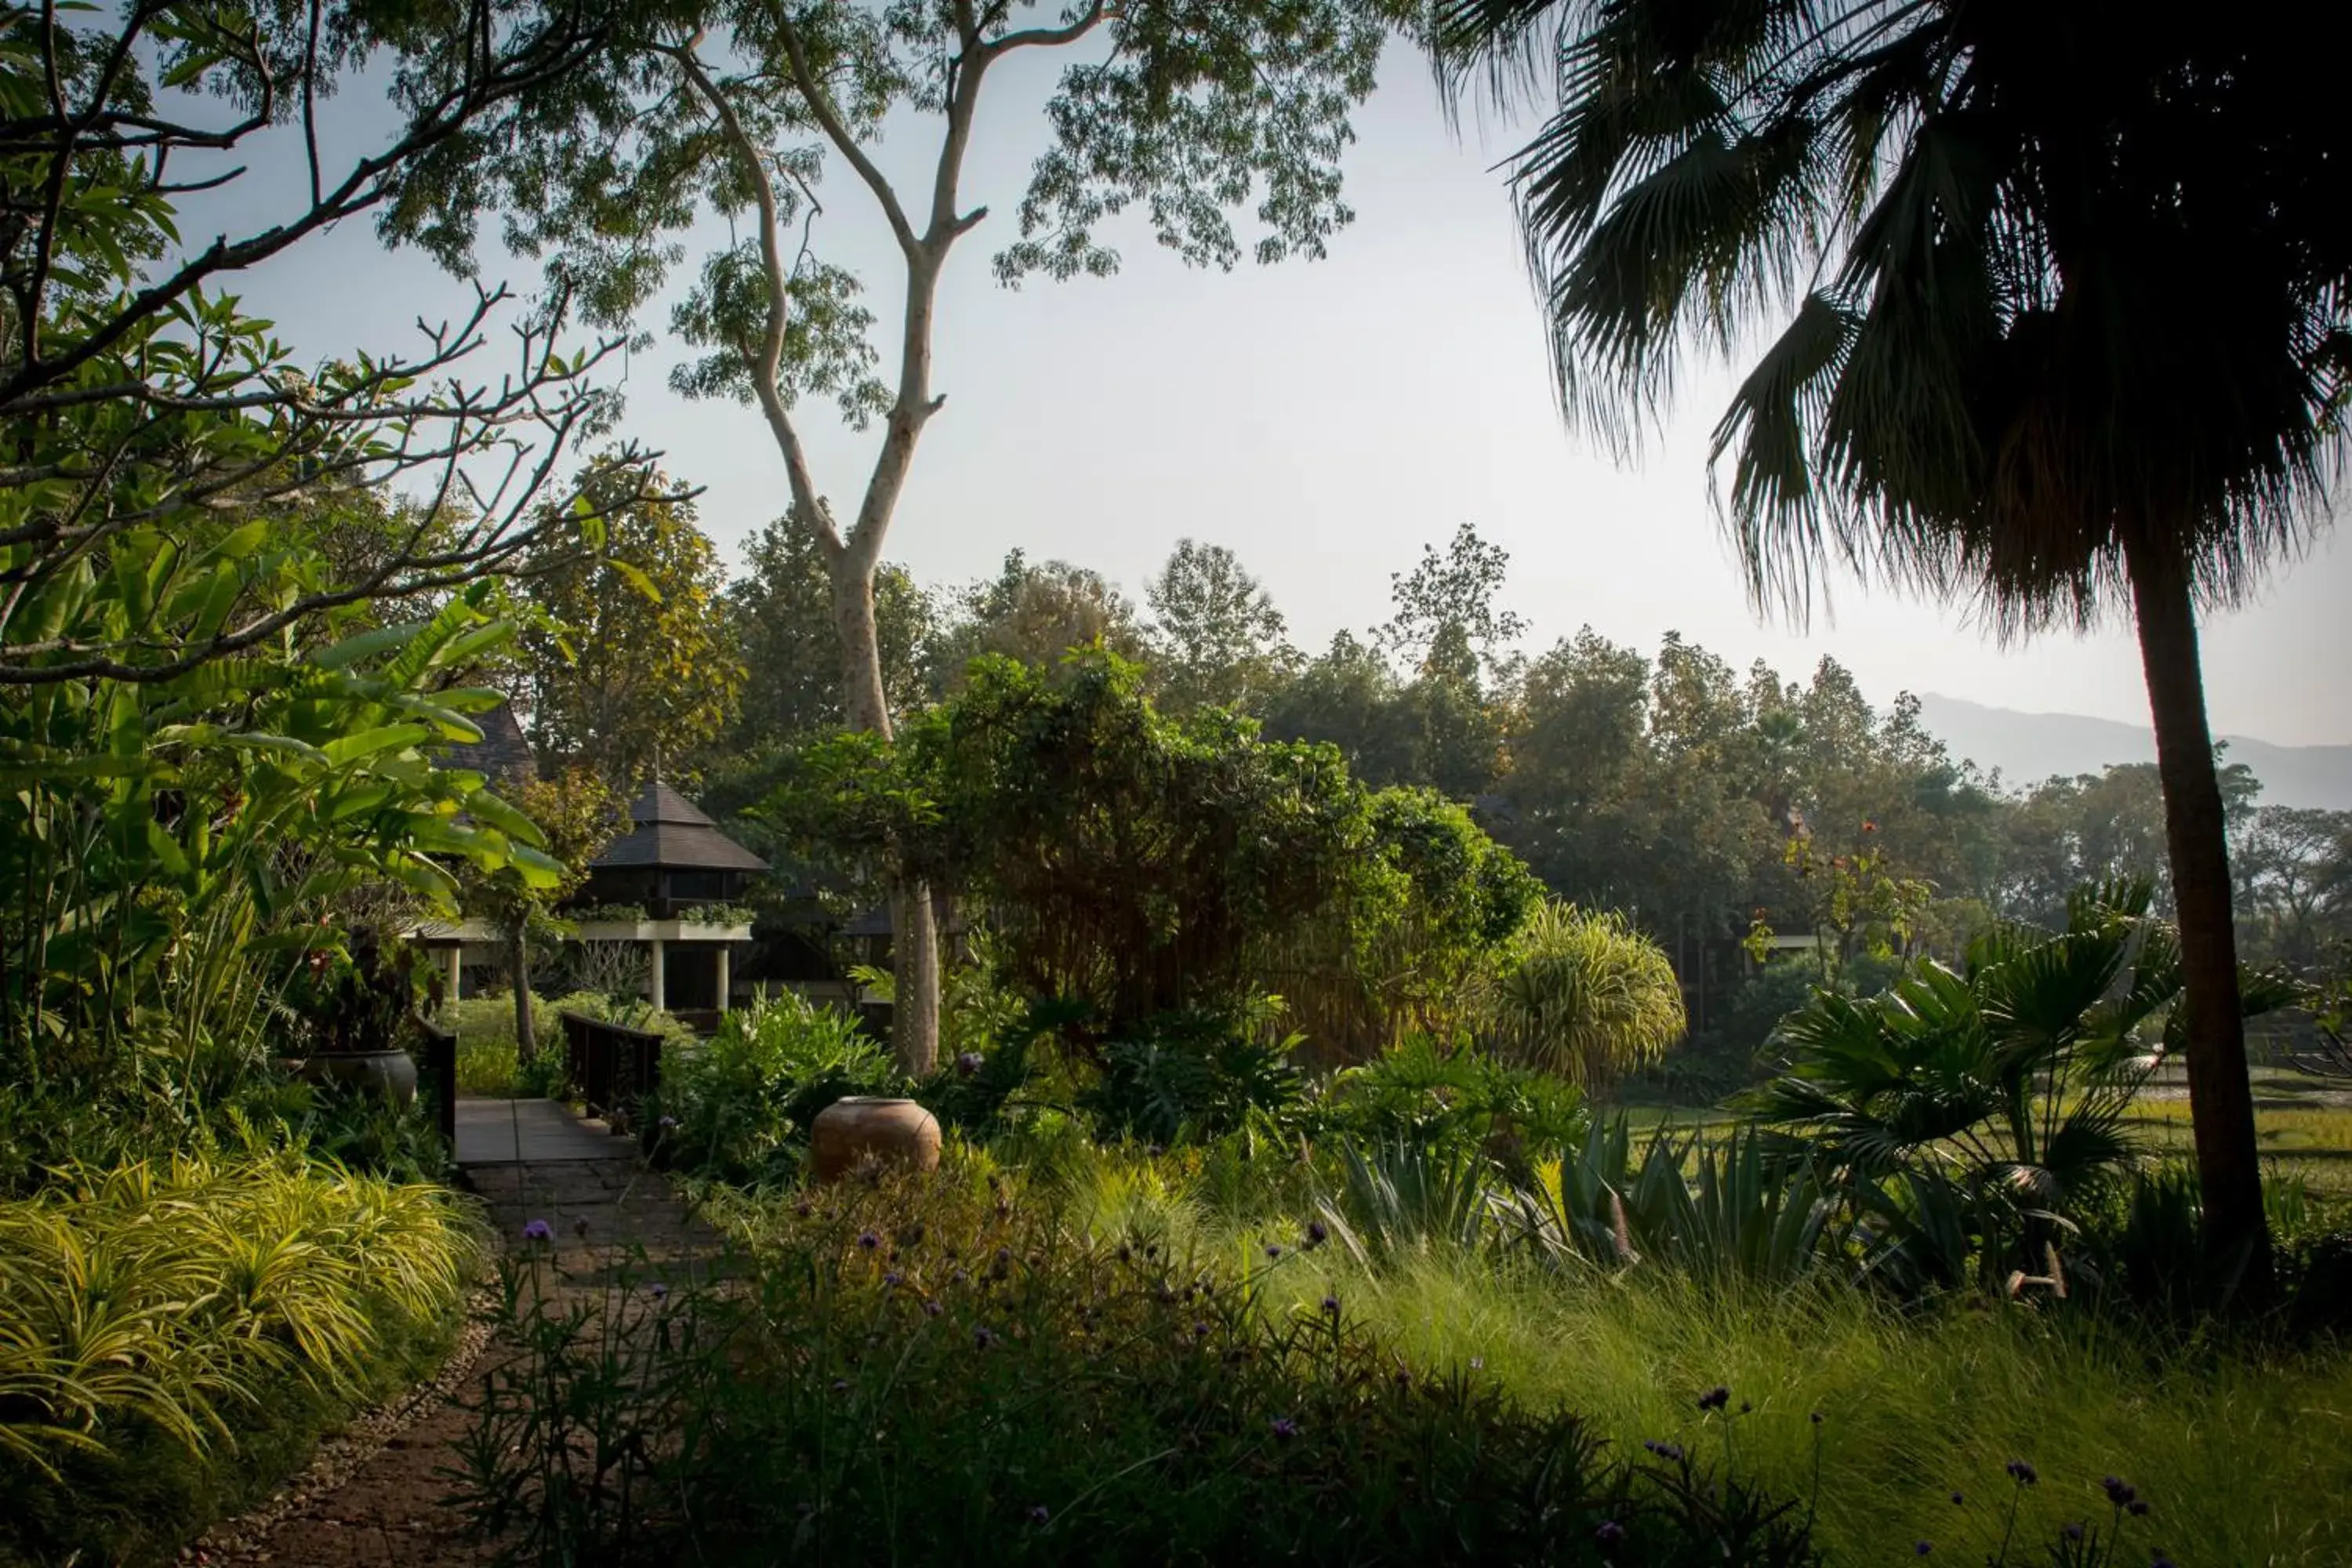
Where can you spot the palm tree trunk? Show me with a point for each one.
(2220, 1098)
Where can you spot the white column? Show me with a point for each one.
(456, 972)
(660, 996)
(726, 975)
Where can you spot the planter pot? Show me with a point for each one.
(865, 1127)
(392, 1074)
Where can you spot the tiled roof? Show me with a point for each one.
(672, 834)
(502, 755)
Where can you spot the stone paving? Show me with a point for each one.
(376, 1494)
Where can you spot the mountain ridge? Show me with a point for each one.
(2027, 748)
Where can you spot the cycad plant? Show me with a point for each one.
(2054, 308)
(1996, 1092)
(1585, 994)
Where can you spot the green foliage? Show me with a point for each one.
(1586, 995)
(1063, 1398)
(1993, 1096)
(1146, 866)
(167, 838)
(1197, 1075)
(156, 1301)
(737, 1107)
(1422, 1095)
(630, 666)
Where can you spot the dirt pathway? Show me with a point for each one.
(374, 1492)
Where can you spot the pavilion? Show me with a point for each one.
(685, 875)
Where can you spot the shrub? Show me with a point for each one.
(943, 1372)
(737, 1106)
(1585, 994)
(151, 1316)
(1196, 1074)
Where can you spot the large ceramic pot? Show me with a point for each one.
(867, 1127)
(392, 1074)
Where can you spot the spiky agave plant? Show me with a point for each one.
(1584, 995)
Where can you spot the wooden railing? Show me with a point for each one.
(436, 1054)
(610, 1067)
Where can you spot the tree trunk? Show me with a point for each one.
(518, 970)
(2220, 1098)
(914, 941)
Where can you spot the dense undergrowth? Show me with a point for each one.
(174, 1333)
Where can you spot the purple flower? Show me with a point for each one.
(1610, 1533)
(931, 1308)
(2164, 1562)
(660, 1291)
(982, 1337)
(869, 1240)
(2136, 1508)
(892, 1280)
(1670, 1452)
(1283, 1428)
(1921, 1549)
(1039, 1513)
(1331, 1305)
(539, 1230)
(2118, 1492)
(968, 1063)
(1715, 1398)
(2070, 1531)
(1273, 1250)
(668, 1124)
(1960, 1499)
(1816, 1418)
(1200, 1331)
(2024, 1474)
(1317, 1234)
(840, 1385)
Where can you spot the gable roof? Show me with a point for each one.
(503, 754)
(671, 833)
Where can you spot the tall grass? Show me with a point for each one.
(151, 1313)
(2242, 1451)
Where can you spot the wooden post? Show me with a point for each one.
(725, 977)
(660, 992)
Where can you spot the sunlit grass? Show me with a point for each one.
(2240, 1451)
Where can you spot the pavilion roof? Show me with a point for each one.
(672, 834)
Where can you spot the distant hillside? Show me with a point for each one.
(2030, 747)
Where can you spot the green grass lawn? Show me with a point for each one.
(2242, 1451)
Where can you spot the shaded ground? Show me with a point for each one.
(374, 1492)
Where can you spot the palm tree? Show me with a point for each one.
(1583, 993)
(2059, 297)
(2006, 1081)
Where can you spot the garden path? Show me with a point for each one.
(375, 1495)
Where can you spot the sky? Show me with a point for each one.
(1324, 419)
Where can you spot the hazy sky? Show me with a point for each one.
(1325, 420)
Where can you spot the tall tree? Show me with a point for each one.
(1215, 637)
(1035, 612)
(631, 667)
(1182, 109)
(2064, 303)
(782, 610)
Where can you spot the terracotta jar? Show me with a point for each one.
(392, 1074)
(863, 1127)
